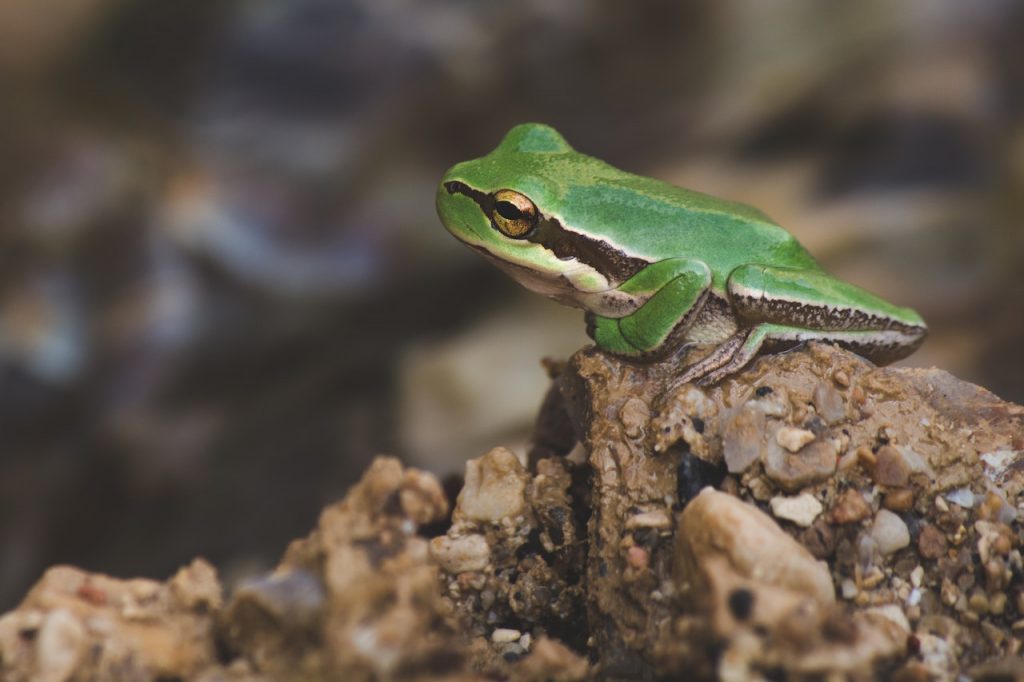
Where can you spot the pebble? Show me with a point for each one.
(841, 378)
(889, 532)
(978, 602)
(793, 438)
(638, 557)
(961, 496)
(461, 554)
(60, 645)
(801, 510)
(917, 576)
(741, 439)
(891, 468)
(651, 519)
(716, 526)
(791, 471)
(850, 507)
(829, 403)
(505, 635)
(901, 499)
(293, 599)
(494, 488)
(848, 588)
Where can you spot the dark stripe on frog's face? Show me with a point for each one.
(564, 243)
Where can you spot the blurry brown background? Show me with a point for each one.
(223, 287)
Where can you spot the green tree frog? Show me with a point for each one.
(657, 267)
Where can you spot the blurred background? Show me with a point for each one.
(223, 287)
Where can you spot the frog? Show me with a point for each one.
(658, 269)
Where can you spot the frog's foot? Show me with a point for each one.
(878, 345)
(722, 355)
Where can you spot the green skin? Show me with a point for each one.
(655, 266)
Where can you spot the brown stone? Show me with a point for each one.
(891, 468)
(850, 508)
(931, 543)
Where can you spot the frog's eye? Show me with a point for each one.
(514, 214)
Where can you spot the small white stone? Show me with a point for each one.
(801, 510)
(525, 641)
(889, 532)
(998, 461)
(59, 646)
(494, 488)
(505, 635)
(651, 519)
(917, 576)
(793, 438)
(458, 555)
(914, 598)
(848, 588)
(961, 496)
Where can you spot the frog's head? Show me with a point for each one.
(508, 205)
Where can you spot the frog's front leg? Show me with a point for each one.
(674, 291)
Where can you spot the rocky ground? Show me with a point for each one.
(813, 518)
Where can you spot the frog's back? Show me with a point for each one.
(659, 221)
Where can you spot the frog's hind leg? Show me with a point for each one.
(874, 344)
(810, 304)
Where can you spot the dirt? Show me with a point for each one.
(814, 517)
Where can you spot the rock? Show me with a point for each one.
(962, 496)
(742, 437)
(77, 625)
(715, 524)
(889, 532)
(505, 635)
(634, 415)
(851, 507)
(801, 510)
(891, 468)
(793, 438)
(461, 554)
(494, 488)
(291, 600)
(792, 471)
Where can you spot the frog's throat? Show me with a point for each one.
(564, 243)
(608, 303)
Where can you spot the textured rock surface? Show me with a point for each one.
(77, 625)
(815, 517)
